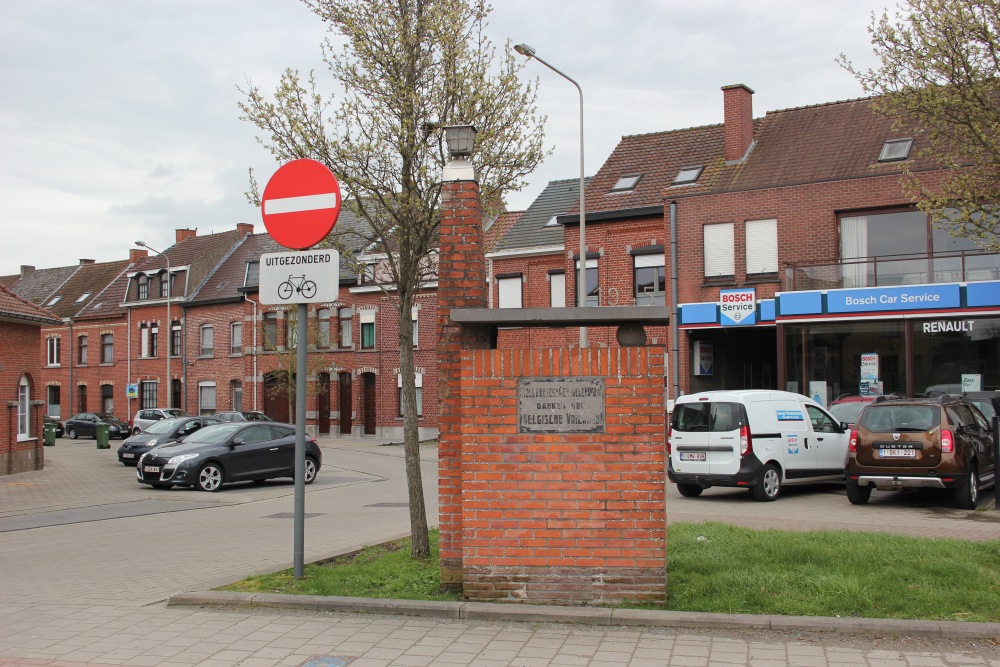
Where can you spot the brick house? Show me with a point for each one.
(20, 381)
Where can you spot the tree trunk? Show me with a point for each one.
(420, 536)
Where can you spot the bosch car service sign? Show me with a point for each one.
(737, 307)
(300, 204)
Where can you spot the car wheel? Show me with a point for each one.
(136, 431)
(209, 477)
(857, 494)
(72, 434)
(967, 493)
(768, 485)
(690, 490)
(310, 469)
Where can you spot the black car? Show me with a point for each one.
(159, 433)
(59, 425)
(85, 424)
(233, 452)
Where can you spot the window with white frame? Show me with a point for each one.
(53, 406)
(367, 329)
(591, 276)
(236, 392)
(23, 407)
(107, 348)
(81, 358)
(344, 315)
(52, 348)
(323, 328)
(557, 290)
(415, 319)
(143, 340)
(175, 339)
(207, 340)
(509, 290)
(236, 338)
(164, 285)
(649, 279)
(762, 246)
(720, 258)
(206, 397)
(143, 283)
(419, 379)
(270, 331)
(154, 340)
(147, 394)
(107, 399)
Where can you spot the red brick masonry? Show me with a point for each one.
(564, 518)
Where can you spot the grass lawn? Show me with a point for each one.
(714, 567)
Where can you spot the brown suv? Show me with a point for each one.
(942, 442)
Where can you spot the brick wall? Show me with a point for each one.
(563, 518)
(20, 344)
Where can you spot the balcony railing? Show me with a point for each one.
(890, 270)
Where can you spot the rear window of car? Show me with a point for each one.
(847, 412)
(707, 417)
(900, 418)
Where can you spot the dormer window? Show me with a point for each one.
(687, 175)
(143, 288)
(626, 183)
(896, 150)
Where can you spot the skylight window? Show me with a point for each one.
(626, 183)
(552, 222)
(687, 175)
(97, 306)
(895, 150)
(83, 297)
(54, 301)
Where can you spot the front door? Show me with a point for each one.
(276, 396)
(323, 403)
(368, 380)
(346, 404)
(175, 393)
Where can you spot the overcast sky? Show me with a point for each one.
(119, 118)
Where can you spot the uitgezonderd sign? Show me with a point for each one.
(560, 405)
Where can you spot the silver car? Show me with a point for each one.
(147, 416)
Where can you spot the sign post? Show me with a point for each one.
(299, 207)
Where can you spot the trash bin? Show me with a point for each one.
(50, 434)
(102, 436)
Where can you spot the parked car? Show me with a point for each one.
(754, 439)
(232, 452)
(846, 408)
(242, 416)
(160, 433)
(942, 442)
(143, 418)
(59, 425)
(85, 424)
(988, 402)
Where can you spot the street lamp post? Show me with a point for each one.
(581, 281)
(170, 331)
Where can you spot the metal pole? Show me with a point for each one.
(170, 333)
(996, 462)
(300, 440)
(581, 280)
(674, 343)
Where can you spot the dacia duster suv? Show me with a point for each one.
(942, 442)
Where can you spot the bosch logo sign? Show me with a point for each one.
(738, 307)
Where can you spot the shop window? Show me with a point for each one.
(107, 348)
(720, 258)
(557, 290)
(762, 247)
(509, 287)
(206, 398)
(419, 379)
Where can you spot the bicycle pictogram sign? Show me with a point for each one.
(297, 285)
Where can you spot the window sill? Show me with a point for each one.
(106, 363)
(53, 365)
(205, 356)
(26, 438)
(758, 278)
(367, 349)
(235, 354)
(722, 281)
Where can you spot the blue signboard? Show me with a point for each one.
(789, 415)
(883, 299)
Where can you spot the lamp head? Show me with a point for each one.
(461, 139)
(141, 244)
(524, 50)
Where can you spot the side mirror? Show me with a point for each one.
(844, 426)
(238, 441)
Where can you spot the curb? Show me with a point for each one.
(484, 611)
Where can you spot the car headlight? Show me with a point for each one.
(151, 443)
(181, 458)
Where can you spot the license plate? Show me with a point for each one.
(151, 468)
(692, 456)
(888, 453)
(128, 456)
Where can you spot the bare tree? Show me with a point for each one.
(940, 76)
(405, 69)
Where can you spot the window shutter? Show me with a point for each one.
(762, 246)
(509, 292)
(719, 253)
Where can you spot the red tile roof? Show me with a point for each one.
(18, 309)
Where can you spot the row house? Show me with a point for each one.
(21, 440)
(799, 253)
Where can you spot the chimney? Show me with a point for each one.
(186, 234)
(26, 270)
(738, 121)
(87, 262)
(244, 228)
(135, 254)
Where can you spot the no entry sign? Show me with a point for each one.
(301, 203)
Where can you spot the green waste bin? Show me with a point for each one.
(50, 434)
(102, 436)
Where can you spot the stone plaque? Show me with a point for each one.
(560, 405)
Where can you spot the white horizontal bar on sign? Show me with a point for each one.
(299, 204)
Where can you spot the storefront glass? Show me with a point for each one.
(945, 350)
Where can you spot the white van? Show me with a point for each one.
(756, 439)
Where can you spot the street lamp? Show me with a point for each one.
(581, 280)
(170, 330)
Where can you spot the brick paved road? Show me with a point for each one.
(87, 557)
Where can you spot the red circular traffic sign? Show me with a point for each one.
(301, 203)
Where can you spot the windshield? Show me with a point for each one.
(847, 412)
(706, 416)
(215, 434)
(900, 418)
(162, 426)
